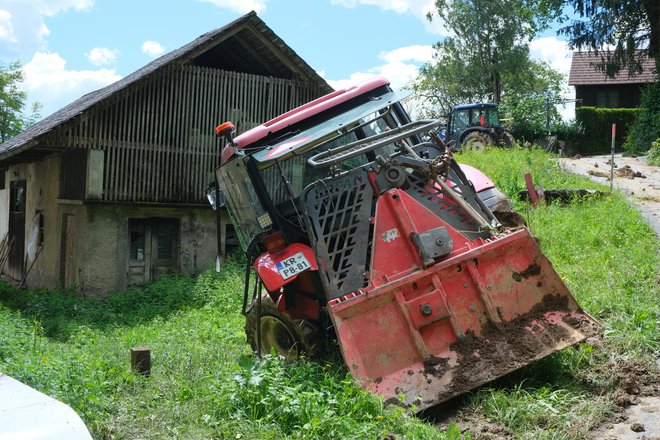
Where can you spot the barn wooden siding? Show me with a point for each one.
(158, 137)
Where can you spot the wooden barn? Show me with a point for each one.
(594, 89)
(109, 191)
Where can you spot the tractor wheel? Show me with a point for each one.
(508, 139)
(290, 338)
(476, 141)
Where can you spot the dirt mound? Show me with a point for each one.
(629, 173)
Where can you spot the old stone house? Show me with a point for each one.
(109, 191)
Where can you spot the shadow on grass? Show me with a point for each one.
(61, 311)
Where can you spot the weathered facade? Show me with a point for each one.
(594, 89)
(109, 191)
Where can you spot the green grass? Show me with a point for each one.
(608, 257)
(206, 384)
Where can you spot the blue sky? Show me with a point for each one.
(71, 47)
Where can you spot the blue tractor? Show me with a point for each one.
(475, 127)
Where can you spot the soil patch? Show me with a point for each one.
(636, 396)
(503, 348)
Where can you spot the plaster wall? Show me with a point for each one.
(100, 242)
(102, 261)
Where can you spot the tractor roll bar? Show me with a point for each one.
(350, 150)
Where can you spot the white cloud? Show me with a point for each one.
(48, 82)
(398, 6)
(152, 48)
(401, 67)
(556, 53)
(240, 6)
(418, 53)
(6, 27)
(23, 22)
(417, 8)
(102, 56)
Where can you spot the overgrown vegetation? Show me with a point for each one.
(206, 384)
(646, 127)
(597, 123)
(654, 153)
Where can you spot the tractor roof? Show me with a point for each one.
(475, 105)
(308, 110)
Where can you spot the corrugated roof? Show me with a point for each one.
(583, 72)
(247, 46)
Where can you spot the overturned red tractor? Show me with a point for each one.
(361, 226)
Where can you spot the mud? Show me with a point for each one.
(435, 366)
(532, 270)
(629, 173)
(506, 348)
(635, 390)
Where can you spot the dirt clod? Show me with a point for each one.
(637, 427)
(629, 173)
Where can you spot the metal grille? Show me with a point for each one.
(339, 211)
(431, 196)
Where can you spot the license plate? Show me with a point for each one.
(292, 265)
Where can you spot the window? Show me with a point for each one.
(607, 98)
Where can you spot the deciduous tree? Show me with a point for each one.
(13, 120)
(487, 52)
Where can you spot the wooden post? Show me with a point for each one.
(141, 360)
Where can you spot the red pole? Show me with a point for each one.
(612, 157)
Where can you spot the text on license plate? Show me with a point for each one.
(292, 265)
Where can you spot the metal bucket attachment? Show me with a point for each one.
(438, 332)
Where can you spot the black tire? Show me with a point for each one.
(476, 141)
(291, 338)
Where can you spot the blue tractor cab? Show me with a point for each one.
(476, 126)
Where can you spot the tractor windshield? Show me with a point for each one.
(484, 116)
(292, 174)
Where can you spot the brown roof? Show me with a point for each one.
(246, 45)
(583, 71)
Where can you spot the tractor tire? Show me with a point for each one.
(508, 139)
(290, 338)
(476, 141)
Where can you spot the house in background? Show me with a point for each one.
(594, 89)
(109, 191)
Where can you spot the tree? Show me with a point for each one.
(632, 27)
(530, 101)
(489, 42)
(12, 102)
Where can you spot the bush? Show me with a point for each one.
(597, 123)
(654, 153)
(646, 127)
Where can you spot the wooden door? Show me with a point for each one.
(153, 249)
(67, 268)
(16, 261)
